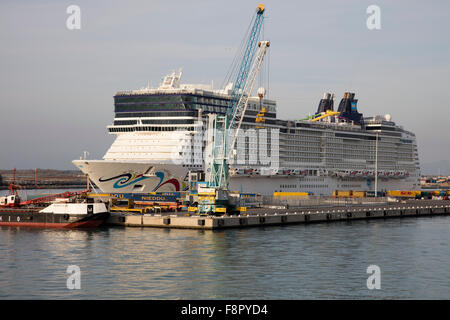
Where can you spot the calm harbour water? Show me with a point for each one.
(317, 261)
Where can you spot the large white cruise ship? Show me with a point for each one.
(162, 135)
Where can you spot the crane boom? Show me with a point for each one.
(226, 127)
(246, 62)
(248, 69)
(241, 106)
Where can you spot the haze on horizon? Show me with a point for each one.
(56, 85)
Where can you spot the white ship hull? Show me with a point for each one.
(135, 177)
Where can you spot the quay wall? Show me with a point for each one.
(262, 217)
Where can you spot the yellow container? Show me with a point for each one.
(344, 194)
(359, 194)
(126, 209)
(192, 209)
(289, 194)
(224, 210)
(403, 193)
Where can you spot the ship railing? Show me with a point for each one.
(319, 201)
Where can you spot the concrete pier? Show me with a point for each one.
(258, 217)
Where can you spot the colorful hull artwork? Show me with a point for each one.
(127, 179)
(123, 177)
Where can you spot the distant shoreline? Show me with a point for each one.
(42, 179)
(55, 186)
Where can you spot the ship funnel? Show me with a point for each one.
(326, 103)
(348, 108)
(349, 95)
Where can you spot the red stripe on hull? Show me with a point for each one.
(85, 224)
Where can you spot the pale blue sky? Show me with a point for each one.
(56, 85)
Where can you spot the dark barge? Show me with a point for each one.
(56, 215)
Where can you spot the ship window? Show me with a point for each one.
(139, 187)
(146, 103)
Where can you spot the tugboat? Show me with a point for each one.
(66, 212)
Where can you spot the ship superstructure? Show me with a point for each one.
(162, 134)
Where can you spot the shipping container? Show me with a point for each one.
(358, 194)
(290, 194)
(342, 193)
(403, 193)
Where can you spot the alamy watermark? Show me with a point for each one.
(73, 21)
(374, 280)
(252, 147)
(74, 280)
(374, 19)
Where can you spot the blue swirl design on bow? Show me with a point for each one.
(124, 180)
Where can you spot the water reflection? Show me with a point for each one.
(291, 262)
